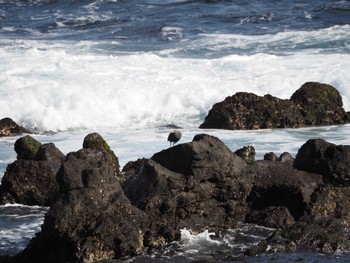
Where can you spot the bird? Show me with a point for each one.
(174, 137)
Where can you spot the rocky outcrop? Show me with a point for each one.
(99, 214)
(31, 179)
(311, 105)
(330, 160)
(9, 128)
(198, 185)
(277, 184)
(95, 141)
(91, 220)
(325, 221)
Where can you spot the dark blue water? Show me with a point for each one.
(155, 25)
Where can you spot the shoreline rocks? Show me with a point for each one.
(9, 128)
(31, 179)
(99, 214)
(313, 104)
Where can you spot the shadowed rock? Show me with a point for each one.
(330, 160)
(199, 185)
(31, 179)
(91, 220)
(278, 184)
(194, 185)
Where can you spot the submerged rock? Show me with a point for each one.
(9, 128)
(311, 105)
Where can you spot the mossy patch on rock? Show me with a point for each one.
(27, 147)
(95, 141)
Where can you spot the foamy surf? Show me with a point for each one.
(66, 87)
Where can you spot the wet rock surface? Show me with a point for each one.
(100, 213)
(313, 104)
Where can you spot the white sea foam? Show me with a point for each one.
(64, 85)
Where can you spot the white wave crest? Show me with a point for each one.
(63, 85)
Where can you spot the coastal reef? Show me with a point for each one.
(313, 104)
(98, 213)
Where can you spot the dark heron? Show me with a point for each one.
(174, 136)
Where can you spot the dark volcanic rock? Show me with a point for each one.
(27, 147)
(320, 104)
(312, 104)
(324, 224)
(130, 168)
(271, 216)
(270, 156)
(249, 111)
(247, 153)
(92, 219)
(198, 185)
(330, 160)
(278, 184)
(95, 141)
(327, 236)
(9, 128)
(31, 180)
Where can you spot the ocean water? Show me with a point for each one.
(126, 69)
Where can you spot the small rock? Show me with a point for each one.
(247, 153)
(270, 156)
(27, 147)
(9, 128)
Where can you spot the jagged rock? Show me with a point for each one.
(278, 184)
(247, 153)
(95, 141)
(194, 185)
(31, 179)
(326, 236)
(9, 128)
(271, 216)
(329, 202)
(130, 168)
(330, 160)
(199, 185)
(324, 225)
(312, 104)
(91, 220)
(276, 243)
